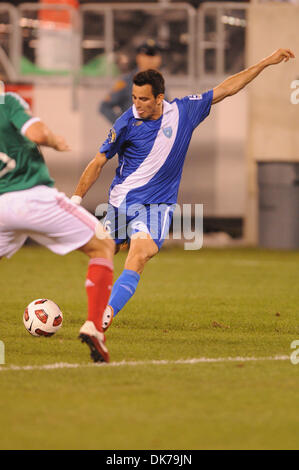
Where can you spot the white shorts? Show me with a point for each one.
(45, 215)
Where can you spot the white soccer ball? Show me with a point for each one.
(42, 317)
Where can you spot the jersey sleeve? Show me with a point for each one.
(198, 107)
(18, 110)
(116, 138)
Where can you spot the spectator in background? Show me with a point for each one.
(119, 99)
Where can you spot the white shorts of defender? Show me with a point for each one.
(45, 215)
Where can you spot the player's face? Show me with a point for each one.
(148, 107)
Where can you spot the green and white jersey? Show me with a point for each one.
(22, 165)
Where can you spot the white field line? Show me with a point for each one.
(65, 365)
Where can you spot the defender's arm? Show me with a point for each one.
(40, 134)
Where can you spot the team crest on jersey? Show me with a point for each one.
(137, 123)
(167, 131)
(195, 97)
(112, 136)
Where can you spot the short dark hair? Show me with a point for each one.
(153, 78)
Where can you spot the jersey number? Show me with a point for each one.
(10, 164)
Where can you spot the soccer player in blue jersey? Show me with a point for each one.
(151, 140)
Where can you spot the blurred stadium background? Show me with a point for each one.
(243, 163)
(231, 314)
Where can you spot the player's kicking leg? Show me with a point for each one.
(98, 287)
(142, 249)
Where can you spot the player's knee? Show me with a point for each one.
(106, 246)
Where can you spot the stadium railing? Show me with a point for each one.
(156, 21)
(9, 56)
(200, 45)
(221, 36)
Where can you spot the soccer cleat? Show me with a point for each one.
(107, 317)
(95, 341)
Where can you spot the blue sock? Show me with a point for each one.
(123, 289)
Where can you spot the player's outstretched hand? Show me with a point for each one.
(61, 144)
(280, 55)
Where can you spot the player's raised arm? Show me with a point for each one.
(235, 83)
(40, 134)
(89, 176)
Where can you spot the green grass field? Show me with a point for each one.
(206, 304)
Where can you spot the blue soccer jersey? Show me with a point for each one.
(152, 152)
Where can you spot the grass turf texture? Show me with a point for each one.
(210, 303)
